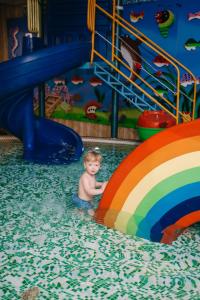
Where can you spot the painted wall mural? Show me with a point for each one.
(172, 25)
(80, 96)
(175, 27)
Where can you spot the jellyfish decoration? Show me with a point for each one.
(164, 19)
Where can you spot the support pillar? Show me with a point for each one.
(41, 87)
(115, 94)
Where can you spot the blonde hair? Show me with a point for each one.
(92, 155)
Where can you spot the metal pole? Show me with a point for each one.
(115, 94)
(41, 94)
(41, 87)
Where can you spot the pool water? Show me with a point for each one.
(46, 243)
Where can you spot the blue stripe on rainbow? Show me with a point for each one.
(174, 214)
(165, 205)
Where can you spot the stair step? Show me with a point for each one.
(115, 83)
(104, 73)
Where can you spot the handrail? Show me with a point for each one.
(159, 52)
(131, 81)
(113, 29)
(117, 19)
(91, 14)
(91, 20)
(144, 81)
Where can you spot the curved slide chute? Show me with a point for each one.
(44, 141)
(155, 191)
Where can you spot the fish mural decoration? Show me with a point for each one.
(186, 79)
(164, 19)
(161, 91)
(158, 73)
(95, 81)
(135, 17)
(131, 53)
(192, 16)
(191, 44)
(160, 61)
(76, 79)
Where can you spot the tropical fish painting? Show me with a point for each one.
(135, 17)
(161, 91)
(164, 19)
(95, 81)
(77, 80)
(187, 79)
(131, 53)
(160, 61)
(192, 16)
(158, 73)
(191, 44)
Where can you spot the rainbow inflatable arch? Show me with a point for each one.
(155, 191)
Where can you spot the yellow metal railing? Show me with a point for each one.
(117, 20)
(91, 14)
(34, 16)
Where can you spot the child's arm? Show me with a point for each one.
(90, 190)
(99, 184)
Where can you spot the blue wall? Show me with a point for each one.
(67, 20)
(181, 30)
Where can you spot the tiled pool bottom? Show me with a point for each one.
(46, 243)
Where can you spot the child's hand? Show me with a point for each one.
(104, 184)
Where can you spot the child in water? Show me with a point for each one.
(88, 186)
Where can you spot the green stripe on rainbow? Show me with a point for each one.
(153, 186)
(158, 193)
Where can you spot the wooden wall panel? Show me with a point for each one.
(7, 12)
(98, 131)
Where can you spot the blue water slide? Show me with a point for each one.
(44, 141)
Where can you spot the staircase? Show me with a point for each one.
(126, 90)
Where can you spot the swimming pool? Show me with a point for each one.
(46, 243)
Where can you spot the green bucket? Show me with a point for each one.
(145, 132)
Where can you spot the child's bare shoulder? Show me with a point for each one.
(83, 176)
